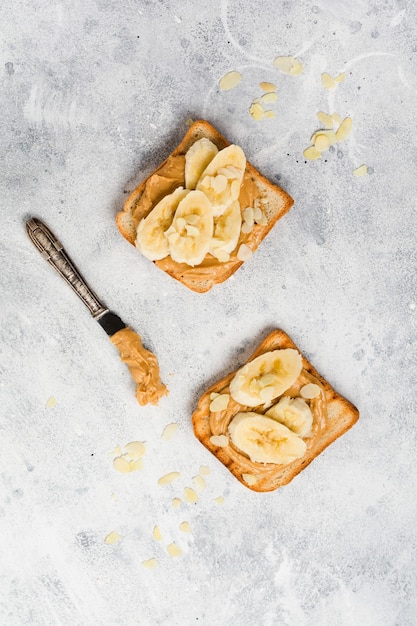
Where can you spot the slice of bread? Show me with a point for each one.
(270, 198)
(339, 415)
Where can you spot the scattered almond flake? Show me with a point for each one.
(337, 119)
(185, 527)
(262, 220)
(288, 65)
(248, 214)
(214, 395)
(311, 153)
(112, 538)
(176, 503)
(249, 479)
(135, 466)
(117, 451)
(327, 81)
(310, 391)
(270, 97)
(267, 86)
(121, 465)
(189, 122)
(257, 111)
(51, 402)
(220, 403)
(257, 213)
(340, 78)
(168, 478)
(247, 228)
(230, 80)
(325, 119)
(135, 449)
(174, 550)
(204, 470)
(321, 142)
(344, 129)
(244, 253)
(221, 441)
(199, 483)
(150, 563)
(221, 255)
(169, 431)
(266, 394)
(330, 134)
(270, 114)
(267, 379)
(360, 171)
(192, 231)
(190, 495)
(193, 219)
(219, 500)
(156, 533)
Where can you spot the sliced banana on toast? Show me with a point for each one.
(150, 239)
(266, 377)
(293, 413)
(264, 439)
(189, 236)
(197, 158)
(226, 232)
(222, 178)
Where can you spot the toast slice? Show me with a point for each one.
(271, 199)
(337, 417)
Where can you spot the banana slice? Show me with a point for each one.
(222, 178)
(266, 377)
(190, 233)
(196, 160)
(265, 440)
(226, 232)
(293, 413)
(150, 232)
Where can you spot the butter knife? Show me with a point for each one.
(142, 364)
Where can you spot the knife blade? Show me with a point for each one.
(142, 364)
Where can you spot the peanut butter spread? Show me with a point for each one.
(142, 364)
(219, 422)
(164, 181)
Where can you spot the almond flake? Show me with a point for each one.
(176, 503)
(192, 219)
(192, 231)
(270, 97)
(257, 111)
(325, 119)
(135, 466)
(112, 538)
(248, 214)
(204, 470)
(219, 500)
(336, 117)
(310, 391)
(344, 129)
(189, 122)
(257, 213)
(150, 563)
(199, 482)
(169, 431)
(174, 550)
(190, 495)
(321, 142)
(311, 153)
(340, 78)
(180, 223)
(220, 183)
(267, 379)
(220, 403)
(330, 134)
(221, 441)
(227, 172)
(270, 114)
(51, 402)
(135, 449)
(156, 534)
(267, 394)
(220, 255)
(288, 65)
(121, 465)
(267, 86)
(327, 81)
(185, 527)
(360, 171)
(168, 478)
(230, 80)
(247, 228)
(214, 395)
(249, 479)
(262, 220)
(244, 253)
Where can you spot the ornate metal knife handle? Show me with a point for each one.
(53, 252)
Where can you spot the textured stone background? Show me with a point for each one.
(94, 94)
